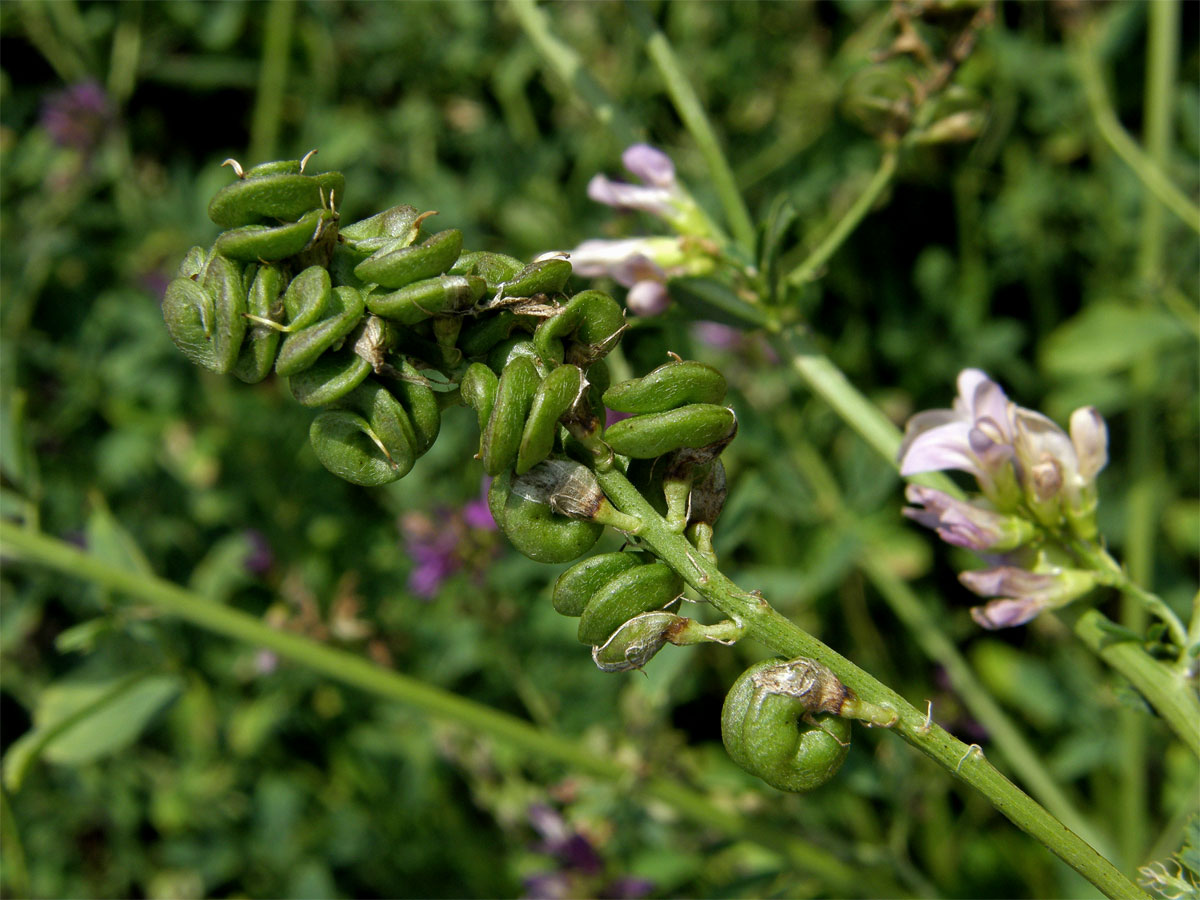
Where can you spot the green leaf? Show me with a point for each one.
(1107, 337)
(81, 718)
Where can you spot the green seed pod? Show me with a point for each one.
(395, 266)
(366, 236)
(694, 425)
(440, 296)
(422, 406)
(259, 197)
(535, 530)
(575, 587)
(193, 263)
(484, 333)
(501, 439)
(272, 243)
(779, 722)
(369, 440)
(503, 355)
(558, 392)
(330, 378)
(494, 268)
(264, 303)
(590, 324)
(545, 276)
(637, 641)
(478, 391)
(672, 384)
(638, 590)
(342, 311)
(205, 317)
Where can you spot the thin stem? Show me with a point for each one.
(925, 629)
(360, 673)
(1111, 130)
(566, 63)
(695, 119)
(16, 873)
(272, 80)
(811, 266)
(766, 625)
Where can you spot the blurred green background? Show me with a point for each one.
(1031, 251)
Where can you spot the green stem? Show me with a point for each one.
(766, 625)
(935, 644)
(272, 80)
(811, 266)
(1168, 690)
(691, 111)
(16, 873)
(1111, 130)
(565, 62)
(360, 673)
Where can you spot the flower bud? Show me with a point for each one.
(1023, 593)
(969, 525)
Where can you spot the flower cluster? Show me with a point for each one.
(643, 264)
(1038, 487)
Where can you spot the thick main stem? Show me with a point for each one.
(763, 623)
(365, 675)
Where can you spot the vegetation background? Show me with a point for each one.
(1032, 251)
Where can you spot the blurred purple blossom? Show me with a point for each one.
(450, 541)
(77, 116)
(580, 868)
(259, 558)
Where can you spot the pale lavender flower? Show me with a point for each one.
(659, 194)
(976, 436)
(965, 524)
(77, 116)
(580, 869)
(1023, 594)
(649, 164)
(636, 263)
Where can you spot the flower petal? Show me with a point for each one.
(649, 164)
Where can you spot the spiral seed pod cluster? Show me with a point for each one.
(781, 723)
(380, 326)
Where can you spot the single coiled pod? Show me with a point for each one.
(276, 212)
(374, 434)
(533, 515)
(582, 331)
(607, 590)
(780, 722)
(674, 407)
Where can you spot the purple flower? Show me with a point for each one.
(975, 436)
(965, 524)
(1023, 461)
(659, 194)
(449, 542)
(259, 558)
(639, 264)
(77, 116)
(1023, 593)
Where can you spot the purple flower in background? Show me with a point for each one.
(259, 558)
(580, 867)
(446, 543)
(660, 195)
(77, 116)
(640, 264)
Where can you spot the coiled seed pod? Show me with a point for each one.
(519, 411)
(608, 590)
(693, 426)
(373, 435)
(676, 383)
(780, 723)
(582, 331)
(397, 264)
(204, 310)
(273, 191)
(535, 528)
